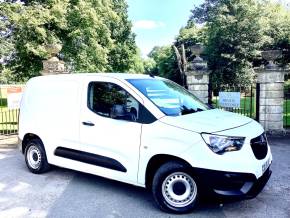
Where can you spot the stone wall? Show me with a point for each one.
(271, 100)
(197, 75)
(197, 82)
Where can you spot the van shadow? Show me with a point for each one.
(107, 198)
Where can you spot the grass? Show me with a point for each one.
(286, 113)
(3, 103)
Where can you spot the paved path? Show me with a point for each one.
(8, 141)
(65, 193)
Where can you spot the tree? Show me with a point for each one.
(87, 37)
(237, 30)
(234, 37)
(190, 35)
(124, 51)
(29, 37)
(163, 59)
(276, 23)
(95, 35)
(234, 33)
(166, 64)
(137, 63)
(150, 66)
(205, 12)
(6, 45)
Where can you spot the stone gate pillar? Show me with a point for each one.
(271, 79)
(197, 75)
(53, 65)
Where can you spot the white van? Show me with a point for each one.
(142, 130)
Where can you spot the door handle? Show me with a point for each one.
(88, 123)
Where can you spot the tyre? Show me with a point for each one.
(35, 157)
(174, 188)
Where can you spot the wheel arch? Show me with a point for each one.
(155, 162)
(27, 137)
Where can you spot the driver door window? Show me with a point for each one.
(112, 101)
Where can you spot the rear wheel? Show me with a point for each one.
(174, 188)
(35, 157)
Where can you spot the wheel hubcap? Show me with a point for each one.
(179, 189)
(33, 157)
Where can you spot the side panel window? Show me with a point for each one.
(111, 100)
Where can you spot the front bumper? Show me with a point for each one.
(232, 185)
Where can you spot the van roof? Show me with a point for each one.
(122, 76)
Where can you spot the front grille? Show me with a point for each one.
(259, 146)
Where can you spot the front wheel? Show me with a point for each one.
(174, 188)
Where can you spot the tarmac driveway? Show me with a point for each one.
(65, 193)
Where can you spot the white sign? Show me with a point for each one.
(14, 95)
(229, 99)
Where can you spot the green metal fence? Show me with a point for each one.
(9, 111)
(286, 117)
(248, 99)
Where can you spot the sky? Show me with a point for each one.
(157, 22)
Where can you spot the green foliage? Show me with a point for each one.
(137, 63)
(235, 33)
(166, 64)
(191, 35)
(204, 12)
(6, 76)
(234, 38)
(6, 45)
(124, 52)
(87, 41)
(276, 27)
(95, 35)
(287, 85)
(149, 66)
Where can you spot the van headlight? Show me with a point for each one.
(220, 144)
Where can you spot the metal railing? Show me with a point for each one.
(8, 113)
(286, 117)
(248, 99)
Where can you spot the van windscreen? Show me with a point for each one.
(169, 97)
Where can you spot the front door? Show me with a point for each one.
(110, 133)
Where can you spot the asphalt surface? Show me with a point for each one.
(66, 193)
